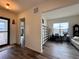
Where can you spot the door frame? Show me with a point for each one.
(8, 37)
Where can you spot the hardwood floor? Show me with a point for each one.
(52, 50)
(16, 52)
(55, 50)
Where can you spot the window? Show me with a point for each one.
(3, 25)
(60, 28)
(4, 31)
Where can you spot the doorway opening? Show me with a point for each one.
(4, 31)
(22, 32)
(63, 33)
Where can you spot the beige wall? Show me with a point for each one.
(32, 30)
(72, 20)
(8, 14)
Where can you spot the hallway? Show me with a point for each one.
(55, 50)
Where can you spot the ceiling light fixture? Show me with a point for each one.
(7, 5)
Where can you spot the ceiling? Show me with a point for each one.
(62, 12)
(21, 5)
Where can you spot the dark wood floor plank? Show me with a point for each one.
(16, 52)
(56, 50)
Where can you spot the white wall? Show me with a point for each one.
(72, 20)
(8, 14)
